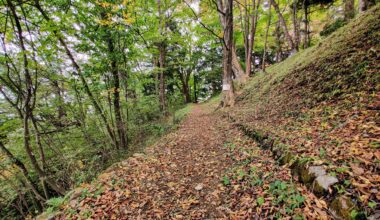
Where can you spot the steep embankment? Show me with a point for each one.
(320, 109)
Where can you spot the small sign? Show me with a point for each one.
(226, 87)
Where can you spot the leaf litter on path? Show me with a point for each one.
(206, 169)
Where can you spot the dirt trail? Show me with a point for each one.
(179, 177)
(206, 169)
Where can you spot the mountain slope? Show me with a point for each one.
(323, 105)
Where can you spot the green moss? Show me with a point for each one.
(346, 209)
(286, 158)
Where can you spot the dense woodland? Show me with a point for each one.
(83, 83)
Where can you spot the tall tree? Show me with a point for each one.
(252, 35)
(162, 57)
(225, 8)
(122, 142)
(266, 36)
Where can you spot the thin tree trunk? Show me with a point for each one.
(162, 54)
(349, 9)
(278, 42)
(306, 38)
(296, 25)
(116, 93)
(284, 27)
(195, 89)
(237, 70)
(251, 44)
(266, 36)
(60, 110)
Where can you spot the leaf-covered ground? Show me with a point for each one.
(207, 169)
(323, 104)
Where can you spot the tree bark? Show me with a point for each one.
(238, 71)
(184, 78)
(228, 87)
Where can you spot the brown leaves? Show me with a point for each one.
(179, 177)
(356, 169)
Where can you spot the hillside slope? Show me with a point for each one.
(323, 105)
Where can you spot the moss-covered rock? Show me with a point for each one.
(322, 184)
(343, 207)
(308, 174)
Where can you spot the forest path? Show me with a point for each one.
(179, 177)
(206, 169)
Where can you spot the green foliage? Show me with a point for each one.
(372, 204)
(330, 28)
(55, 204)
(226, 181)
(260, 201)
(287, 195)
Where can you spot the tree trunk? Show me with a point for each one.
(278, 42)
(365, 5)
(251, 43)
(116, 91)
(162, 92)
(195, 89)
(306, 39)
(296, 25)
(60, 110)
(238, 71)
(266, 37)
(228, 88)
(186, 93)
(284, 27)
(162, 55)
(245, 23)
(184, 78)
(349, 9)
